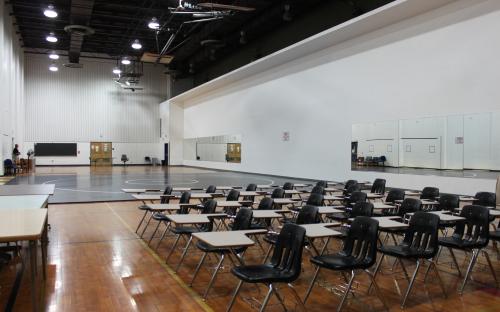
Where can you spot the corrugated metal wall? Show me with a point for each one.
(82, 105)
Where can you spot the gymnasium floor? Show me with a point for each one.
(97, 263)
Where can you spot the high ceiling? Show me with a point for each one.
(116, 24)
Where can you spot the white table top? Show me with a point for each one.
(329, 209)
(301, 185)
(412, 193)
(224, 188)
(378, 205)
(293, 192)
(429, 202)
(445, 216)
(332, 189)
(467, 198)
(388, 223)
(146, 196)
(228, 239)
(268, 214)
(332, 197)
(332, 183)
(23, 202)
(193, 218)
(22, 224)
(163, 207)
(139, 191)
(374, 195)
(284, 201)
(249, 193)
(200, 195)
(27, 189)
(319, 230)
(264, 186)
(228, 204)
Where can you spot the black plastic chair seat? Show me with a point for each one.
(459, 243)
(160, 217)
(263, 273)
(144, 207)
(340, 262)
(185, 230)
(341, 216)
(403, 251)
(495, 235)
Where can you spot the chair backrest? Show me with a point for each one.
(422, 234)
(395, 194)
(350, 183)
(308, 215)
(448, 202)
(378, 186)
(323, 184)
(287, 255)
(124, 157)
(315, 200)
(243, 219)
(278, 193)
(351, 189)
(233, 195)
(486, 199)
(209, 206)
(357, 197)
(185, 198)
(211, 189)
(288, 186)
(252, 187)
(7, 163)
(362, 209)
(361, 241)
(409, 205)
(498, 191)
(475, 228)
(318, 190)
(167, 191)
(429, 193)
(266, 203)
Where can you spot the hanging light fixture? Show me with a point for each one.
(53, 55)
(136, 44)
(125, 61)
(154, 24)
(53, 67)
(50, 12)
(51, 37)
(117, 71)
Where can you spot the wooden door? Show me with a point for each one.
(234, 152)
(101, 154)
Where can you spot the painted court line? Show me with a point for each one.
(169, 270)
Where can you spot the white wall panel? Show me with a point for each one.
(477, 141)
(453, 149)
(439, 63)
(83, 105)
(495, 140)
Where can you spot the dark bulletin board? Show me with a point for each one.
(55, 149)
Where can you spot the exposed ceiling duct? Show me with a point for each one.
(81, 11)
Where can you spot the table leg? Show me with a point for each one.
(44, 251)
(32, 252)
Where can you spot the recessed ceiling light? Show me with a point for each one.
(53, 56)
(53, 67)
(136, 44)
(50, 12)
(125, 61)
(117, 71)
(51, 37)
(154, 24)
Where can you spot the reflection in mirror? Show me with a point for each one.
(458, 142)
(222, 148)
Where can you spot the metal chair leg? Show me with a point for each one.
(236, 291)
(491, 266)
(212, 279)
(410, 286)
(184, 253)
(173, 247)
(154, 233)
(473, 259)
(297, 297)
(146, 226)
(140, 222)
(375, 273)
(280, 298)
(455, 261)
(312, 284)
(268, 253)
(198, 267)
(433, 264)
(404, 269)
(266, 300)
(375, 286)
(162, 237)
(348, 289)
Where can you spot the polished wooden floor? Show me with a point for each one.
(97, 263)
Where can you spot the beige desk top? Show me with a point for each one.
(263, 186)
(228, 239)
(388, 223)
(332, 189)
(383, 206)
(193, 218)
(445, 216)
(329, 209)
(139, 191)
(225, 188)
(374, 195)
(228, 204)
(412, 193)
(332, 183)
(332, 197)
(301, 185)
(284, 201)
(23, 202)
(249, 193)
(146, 196)
(429, 202)
(293, 192)
(163, 207)
(467, 198)
(22, 224)
(319, 230)
(27, 189)
(268, 214)
(200, 195)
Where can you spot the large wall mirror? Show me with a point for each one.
(458, 142)
(222, 148)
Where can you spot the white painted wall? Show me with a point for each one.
(11, 86)
(85, 105)
(441, 62)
